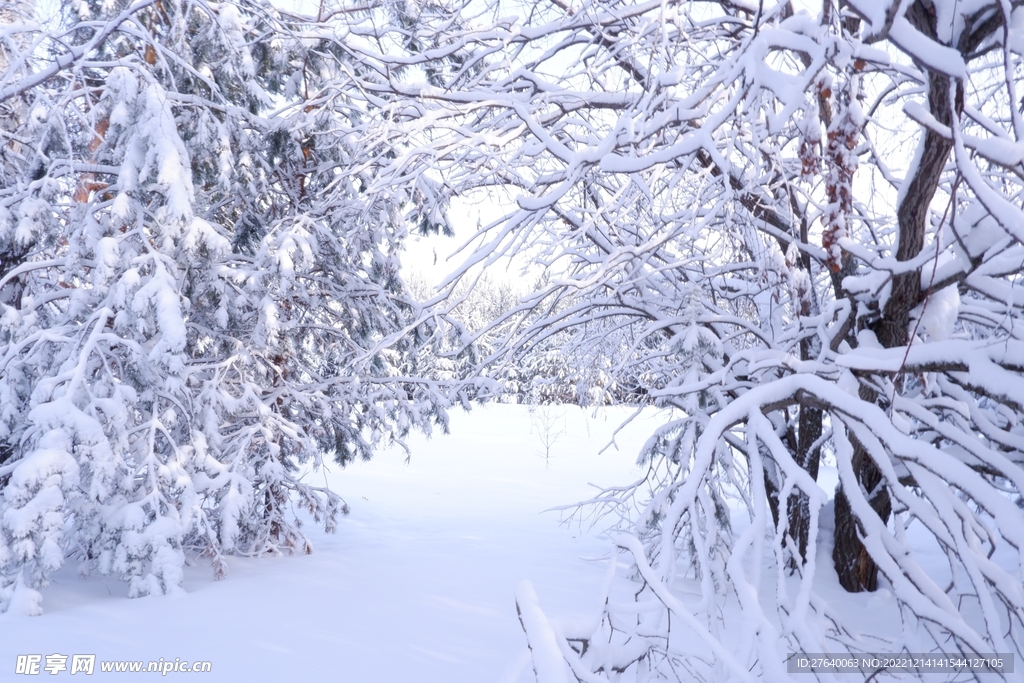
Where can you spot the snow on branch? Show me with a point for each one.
(731, 221)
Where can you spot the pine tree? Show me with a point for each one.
(200, 297)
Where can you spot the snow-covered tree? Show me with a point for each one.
(554, 370)
(808, 227)
(200, 292)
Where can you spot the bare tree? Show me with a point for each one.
(548, 423)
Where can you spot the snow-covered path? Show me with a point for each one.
(416, 586)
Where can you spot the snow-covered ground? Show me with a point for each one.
(417, 585)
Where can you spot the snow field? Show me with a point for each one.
(418, 584)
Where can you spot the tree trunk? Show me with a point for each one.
(853, 563)
(856, 569)
(808, 457)
(804, 444)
